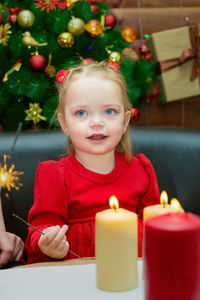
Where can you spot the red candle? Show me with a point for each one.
(172, 257)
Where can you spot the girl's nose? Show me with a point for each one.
(96, 122)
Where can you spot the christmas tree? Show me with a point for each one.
(40, 37)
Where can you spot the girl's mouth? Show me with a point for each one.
(97, 137)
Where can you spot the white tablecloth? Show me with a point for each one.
(68, 282)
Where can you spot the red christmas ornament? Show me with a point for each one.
(94, 9)
(135, 114)
(148, 55)
(12, 18)
(1, 19)
(37, 63)
(110, 20)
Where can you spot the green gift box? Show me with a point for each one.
(178, 53)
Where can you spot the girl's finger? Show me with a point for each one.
(50, 235)
(62, 245)
(59, 237)
(63, 248)
(64, 228)
(48, 229)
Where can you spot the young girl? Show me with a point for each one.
(94, 111)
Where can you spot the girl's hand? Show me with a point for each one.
(54, 243)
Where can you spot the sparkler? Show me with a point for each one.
(9, 178)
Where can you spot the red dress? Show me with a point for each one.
(68, 193)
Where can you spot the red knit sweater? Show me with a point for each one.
(67, 193)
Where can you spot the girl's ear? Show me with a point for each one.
(61, 120)
(127, 116)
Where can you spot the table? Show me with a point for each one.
(73, 280)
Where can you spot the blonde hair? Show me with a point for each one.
(100, 70)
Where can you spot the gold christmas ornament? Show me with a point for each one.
(76, 26)
(50, 70)
(5, 34)
(34, 113)
(129, 34)
(29, 41)
(26, 18)
(130, 54)
(116, 57)
(94, 28)
(66, 39)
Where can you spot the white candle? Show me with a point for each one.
(116, 248)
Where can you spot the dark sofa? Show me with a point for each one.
(174, 153)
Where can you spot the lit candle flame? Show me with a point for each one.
(164, 198)
(175, 203)
(113, 202)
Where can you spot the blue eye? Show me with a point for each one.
(81, 113)
(110, 112)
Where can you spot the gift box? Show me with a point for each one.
(178, 53)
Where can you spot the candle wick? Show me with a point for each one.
(163, 205)
(115, 209)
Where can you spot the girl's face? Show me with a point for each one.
(93, 115)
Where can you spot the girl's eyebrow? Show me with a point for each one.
(79, 106)
(112, 105)
(109, 105)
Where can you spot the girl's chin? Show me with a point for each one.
(95, 151)
(98, 142)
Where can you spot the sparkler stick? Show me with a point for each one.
(27, 223)
(15, 139)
